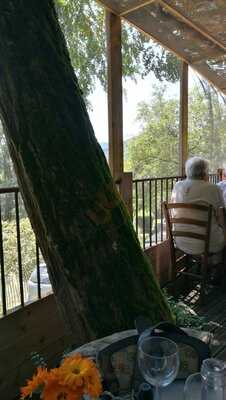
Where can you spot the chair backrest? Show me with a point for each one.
(188, 220)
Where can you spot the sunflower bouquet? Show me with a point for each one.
(75, 377)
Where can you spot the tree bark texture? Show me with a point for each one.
(99, 274)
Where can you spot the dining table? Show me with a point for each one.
(174, 391)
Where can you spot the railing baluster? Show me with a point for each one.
(150, 212)
(38, 270)
(136, 214)
(143, 214)
(3, 284)
(161, 214)
(167, 190)
(156, 211)
(19, 248)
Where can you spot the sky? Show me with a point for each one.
(133, 93)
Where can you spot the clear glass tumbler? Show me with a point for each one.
(209, 384)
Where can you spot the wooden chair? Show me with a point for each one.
(177, 224)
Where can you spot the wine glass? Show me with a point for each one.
(158, 360)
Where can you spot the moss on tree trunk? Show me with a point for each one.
(100, 276)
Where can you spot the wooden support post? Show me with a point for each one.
(183, 134)
(126, 190)
(115, 114)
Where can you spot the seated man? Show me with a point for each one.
(196, 189)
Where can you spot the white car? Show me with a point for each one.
(45, 285)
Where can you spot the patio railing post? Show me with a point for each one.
(115, 113)
(183, 131)
(126, 190)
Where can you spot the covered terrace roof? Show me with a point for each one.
(195, 30)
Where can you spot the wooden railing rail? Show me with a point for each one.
(148, 195)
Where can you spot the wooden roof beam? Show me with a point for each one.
(208, 78)
(193, 25)
(145, 3)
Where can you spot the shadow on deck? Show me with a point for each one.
(214, 312)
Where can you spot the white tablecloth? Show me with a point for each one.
(175, 391)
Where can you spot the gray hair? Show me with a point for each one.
(196, 168)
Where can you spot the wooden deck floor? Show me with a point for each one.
(214, 312)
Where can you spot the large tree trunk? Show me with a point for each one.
(99, 274)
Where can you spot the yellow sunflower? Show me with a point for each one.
(38, 380)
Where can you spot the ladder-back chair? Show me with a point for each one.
(189, 221)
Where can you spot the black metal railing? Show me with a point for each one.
(24, 277)
(20, 257)
(148, 195)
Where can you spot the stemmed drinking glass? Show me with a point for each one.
(158, 360)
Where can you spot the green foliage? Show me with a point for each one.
(164, 64)
(7, 176)
(83, 24)
(28, 247)
(154, 152)
(184, 315)
(207, 121)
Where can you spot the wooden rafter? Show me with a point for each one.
(193, 25)
(145, 3)
(208, 78)
(110, 9)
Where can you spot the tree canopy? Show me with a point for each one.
(83, 24)
(154, 152)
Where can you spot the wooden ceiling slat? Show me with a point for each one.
(189, 22)
(145, 3)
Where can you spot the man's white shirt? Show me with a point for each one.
(199, 192)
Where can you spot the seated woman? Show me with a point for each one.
(196, 189)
